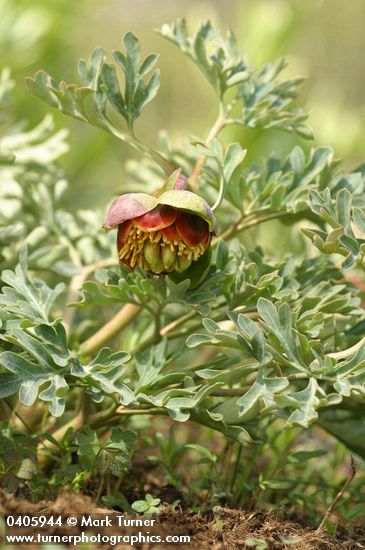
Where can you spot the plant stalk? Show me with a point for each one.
(339, 495)
(214, 131)
(110, 329)
(167, 167)
(242, 225)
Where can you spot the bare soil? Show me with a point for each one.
(222, 529)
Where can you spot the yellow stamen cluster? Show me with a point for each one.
(153, 251)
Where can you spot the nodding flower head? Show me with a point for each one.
(161, 234)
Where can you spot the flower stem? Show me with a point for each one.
(177, 322)
(220, 194)
(214, 131)
(167, 167)
(242, 225)
(110, 329)
(156, 337)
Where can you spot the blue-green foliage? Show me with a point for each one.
(285, 335)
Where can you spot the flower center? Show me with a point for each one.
(154, 251)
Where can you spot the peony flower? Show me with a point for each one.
(161, 234)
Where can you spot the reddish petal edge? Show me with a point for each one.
(171, 233)
(127, 207)
(156, 219)
(123, 232)
(192, 228)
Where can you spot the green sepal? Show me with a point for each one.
(189, 202)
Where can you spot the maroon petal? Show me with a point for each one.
(123, 232)
(207, 240)
(191, 228)
(158, 218)
(129, 206)
(171, 233)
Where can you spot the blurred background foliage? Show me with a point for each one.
(320, 39)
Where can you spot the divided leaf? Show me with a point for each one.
(26, 299)
(43, 361)
(88, 103)
(215, 55)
